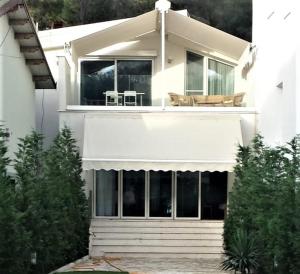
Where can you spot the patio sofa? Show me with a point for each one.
(234, 100)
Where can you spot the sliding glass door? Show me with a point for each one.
(99, 76)
(220, 78)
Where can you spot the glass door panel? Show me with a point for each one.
(106, 193)
(96, 78)
(160, 194)
(187, 204)
(213, 195)
(134, 193)
(135, 75)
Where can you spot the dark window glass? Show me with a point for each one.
(136, 75)
(160, 194)
(194, 72)
(134, 193)
(106, 193)
(187, 194)
(96, 78)
(213, 195)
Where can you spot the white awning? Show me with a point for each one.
(125, 31)
(144, 141)
(210, 38)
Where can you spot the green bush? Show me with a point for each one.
(265, 202)
(242, 254)
(43, 211)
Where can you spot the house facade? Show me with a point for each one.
(23, 68)
(152, 103)
(276, 80)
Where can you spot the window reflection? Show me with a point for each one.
(106, 193)
(187, 194)
(134, 193)
(160, 194)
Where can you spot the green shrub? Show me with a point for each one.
(265, 202)
(242, 254)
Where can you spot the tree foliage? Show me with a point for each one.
(43, 211)
(265, 202)
(231, 16)
(14, 240)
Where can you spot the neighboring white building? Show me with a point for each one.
(158, 175)
(276, 71)
(23, 68)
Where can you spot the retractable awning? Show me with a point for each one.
(144, 141)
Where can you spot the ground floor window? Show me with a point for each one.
(134, 193)
(107, 193)
(187, 194)
(213, 195)
(159, 194)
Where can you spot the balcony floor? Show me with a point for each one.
(238, 110)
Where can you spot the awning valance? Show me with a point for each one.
(144, 141)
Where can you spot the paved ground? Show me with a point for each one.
(151, 265)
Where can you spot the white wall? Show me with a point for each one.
(275, 35)
(47, 118)
(16, 89)
(147, 46)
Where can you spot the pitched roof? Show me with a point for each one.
(178, 27)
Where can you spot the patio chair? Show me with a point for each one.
(228, 100)
(174, 99)
(112, 98)
(185, 100)
(130, 98)
(199, 100)
(238, 99)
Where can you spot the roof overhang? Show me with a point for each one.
(125, 31)
(25, 32)
(152, 143)
(213, 41)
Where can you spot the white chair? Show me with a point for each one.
(112, 98)
(130, 98)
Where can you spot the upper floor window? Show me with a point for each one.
(208, 76)
(220, 78)
(100, 76)
(194, 73)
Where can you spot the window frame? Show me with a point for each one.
(199, 200)
(172, 199)
(147, 200)
(115, 59)
(121, 200)
(95, 193)
(206, 58)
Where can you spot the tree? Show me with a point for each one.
(264, 203)
(14, 240)
(32, 198)
(63, 173)
(46, 12)
(231, 16)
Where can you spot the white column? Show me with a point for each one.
(63, 83)
(163, 6)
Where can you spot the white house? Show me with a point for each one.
(276, 70)
(23, 68)
(158, 167)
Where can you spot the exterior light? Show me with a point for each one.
(163, 5)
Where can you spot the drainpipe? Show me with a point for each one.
(163, 7)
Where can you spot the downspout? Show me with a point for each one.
(163, 6)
